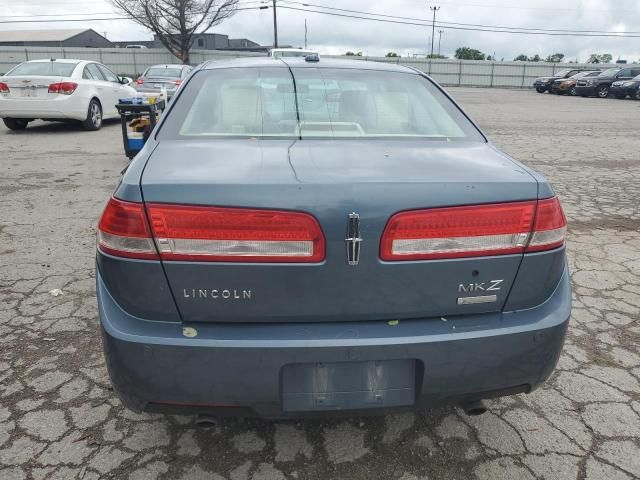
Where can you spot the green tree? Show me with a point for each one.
(392, 55)
(436, 55)
(467, 53)
(555, 58)
(600, 58)
(521, 58)
(352, 54)
(535, 58)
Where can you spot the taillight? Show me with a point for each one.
(550, 226)
(65, 88)
(139, 81)
(473, 231)
(123, 231)
(235, 234)
(178, 82)
(4, 88)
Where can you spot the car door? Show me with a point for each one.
(102, 86)
(115, 90)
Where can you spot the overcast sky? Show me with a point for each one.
(335, 35)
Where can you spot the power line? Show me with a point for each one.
(56, 15)
(579, 9)
(445, 23)
(64, 20)
(472, 29)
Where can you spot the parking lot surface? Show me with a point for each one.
(60, 420)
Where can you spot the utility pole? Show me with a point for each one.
(275, 26)
(434, 9)
(305, 33)
(440, 32)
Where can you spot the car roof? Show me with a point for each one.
(252, 62)
(291, 50)
(169, 65)
(61, 60)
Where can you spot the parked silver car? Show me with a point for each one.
(159, 77)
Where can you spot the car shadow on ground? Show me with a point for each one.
(40, 126)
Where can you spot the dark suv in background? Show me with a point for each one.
(599, 86)
(568, 85)
(624, 88)
(542, 84)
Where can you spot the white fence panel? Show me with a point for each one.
(448, 72)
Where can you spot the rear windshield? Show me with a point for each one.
(324, 103)
(163, 72)
(43, 69)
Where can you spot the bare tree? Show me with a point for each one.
(175, 22)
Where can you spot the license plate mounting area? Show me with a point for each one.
(308, 387)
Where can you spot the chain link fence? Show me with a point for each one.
(449, 72)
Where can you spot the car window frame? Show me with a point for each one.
(101, 67)
(85, 70)
(95, 65)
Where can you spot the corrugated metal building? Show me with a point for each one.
(54, 38)
(206, 41)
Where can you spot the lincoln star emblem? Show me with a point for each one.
(353, 239)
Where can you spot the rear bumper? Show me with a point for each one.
(156, 91)
(63, 106)
(239, 367)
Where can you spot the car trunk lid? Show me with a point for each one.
(159, 82)
(331, 180)
(31, 86)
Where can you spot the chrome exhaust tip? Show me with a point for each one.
(205, 422)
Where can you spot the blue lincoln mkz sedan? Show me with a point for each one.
(303, 237)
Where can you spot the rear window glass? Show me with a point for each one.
(57, 69)
(324, 103)
(239, 102)
(163, 72)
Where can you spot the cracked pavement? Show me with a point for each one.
(59, 419)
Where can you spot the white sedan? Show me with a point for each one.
(60, 89)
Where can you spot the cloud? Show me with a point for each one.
(331, 34)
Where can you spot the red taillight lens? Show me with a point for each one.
(4, 88)
(123, 231)
(65, 88)
(139, 81)
(479, 230)
(235, 234)
(178, 82)
(550, 227)
(454, 232)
